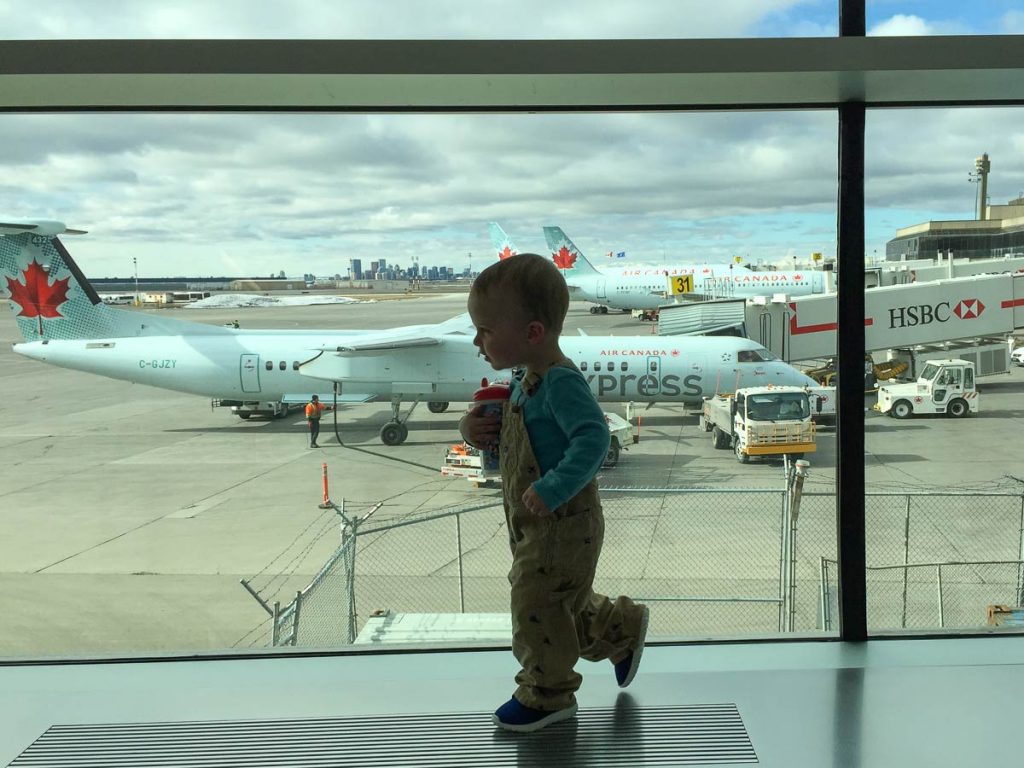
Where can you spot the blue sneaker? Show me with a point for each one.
(626, 669)
(513, 716)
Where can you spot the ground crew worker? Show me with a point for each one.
(314, 409)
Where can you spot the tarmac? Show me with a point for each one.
(130, 514)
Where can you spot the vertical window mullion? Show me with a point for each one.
(850, 344)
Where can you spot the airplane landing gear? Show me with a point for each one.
(596, 310)
(395, 432)
(435, 406)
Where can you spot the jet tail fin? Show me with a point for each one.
(52, 299)
(565, 254)
(502, 243)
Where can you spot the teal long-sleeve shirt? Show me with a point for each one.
(568, 433)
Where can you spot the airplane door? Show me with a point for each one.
(249, 371)
(650, 384)
(817, 282)
(601, 292)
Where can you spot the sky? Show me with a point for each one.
(207, 194)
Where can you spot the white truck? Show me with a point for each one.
(944, 386)
(761, 422)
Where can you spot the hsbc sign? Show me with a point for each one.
(968, 309)
(941, 312)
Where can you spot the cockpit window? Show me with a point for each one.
(759, 355)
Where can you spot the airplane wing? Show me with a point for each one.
(404, 338)
(377, 344)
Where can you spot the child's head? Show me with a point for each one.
(518, 306)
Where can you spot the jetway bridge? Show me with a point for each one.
(971, 309)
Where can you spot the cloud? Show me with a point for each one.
(902, 25)
(1012, 23)
(238, 194)
(256, 193)
(397, 19)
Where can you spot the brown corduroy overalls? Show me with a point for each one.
(556, 615)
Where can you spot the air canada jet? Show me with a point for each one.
(644, 287)
(65, 323)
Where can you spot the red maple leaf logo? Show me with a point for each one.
(506, 253)
(564, 258)
(798, 277)
(37, 296)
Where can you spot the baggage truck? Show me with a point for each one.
(761, 422)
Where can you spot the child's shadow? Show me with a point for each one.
(607, 737)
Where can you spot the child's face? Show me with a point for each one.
(502, 336)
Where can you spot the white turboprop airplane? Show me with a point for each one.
(65, 323)
(644, 287)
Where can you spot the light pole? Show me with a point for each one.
(135, 266)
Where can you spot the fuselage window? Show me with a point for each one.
(282, 365)
(295, 365)
(623, 366)
(597, 366)
(270, 365)
(583, 366)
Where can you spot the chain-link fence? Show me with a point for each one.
(713, 563)
(710, 559)
(934, 560)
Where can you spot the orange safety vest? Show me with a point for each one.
(313, 411)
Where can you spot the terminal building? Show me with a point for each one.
(997, 231)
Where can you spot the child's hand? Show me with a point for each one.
(534, 503)
(479, 430)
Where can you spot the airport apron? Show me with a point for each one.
(557, 617)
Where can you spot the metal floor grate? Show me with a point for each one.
(624, 735)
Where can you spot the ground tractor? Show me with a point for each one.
(760, 422)
(463, 460)
(945, 386)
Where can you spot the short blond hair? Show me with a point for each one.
(532, 282)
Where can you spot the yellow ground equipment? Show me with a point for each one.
(883, 371)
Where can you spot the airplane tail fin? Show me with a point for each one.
(565, 254)
(49, 295)
(502, 243)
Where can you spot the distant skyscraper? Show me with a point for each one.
(374, 266)
(357, 269)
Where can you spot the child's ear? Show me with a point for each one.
(536, 332)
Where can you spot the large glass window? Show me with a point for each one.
(944, 503)
(156, 506)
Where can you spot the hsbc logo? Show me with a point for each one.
(925, 314)
(968, 309)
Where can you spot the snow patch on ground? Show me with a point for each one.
(232, 300)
